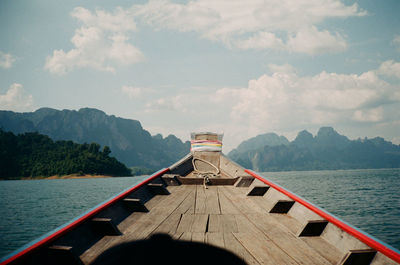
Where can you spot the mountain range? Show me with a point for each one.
(127, 139)
(326, 150)
(135, 147)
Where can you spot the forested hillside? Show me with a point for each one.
(129, 142)
(33, 154)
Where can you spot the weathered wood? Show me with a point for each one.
(230, 168)
(295, 247)
(215, 239)
(212, 201)
(141, 224)
(381, 259)
(158, 189)
(226, 205)
(289, 222)
(135, 205)
(358, 257)
(282, 206)
(198, 237)
(214, 223)
(314, 228)
(244, 181)
(326, 250)
(342, 240)
(200, 223)
(242, 202)
(105, 226)
(233, 245)
(187, 206)
(228, 223)
(171, 179)
(62, 255)
(210, 157)
(186, 222)
(263, 249)
(200, 200)
(186, 236)
(169, 225)
(212, 181)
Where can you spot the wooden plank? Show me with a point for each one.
(212, 181)
(212, 202)
(135, 205)
(200, 200)
(158, 189)
(187, 206)
(186, 222)
(198, 237)
(290, 244)
(226, 205)
(169, 225)
(214, 224)
(289, 222)
(186, 236)
(238, 198)
(105, 226)
(215, 239)
(200, 223)
(235, 247)
(62, 255)
(244, 181)
(171, 179)
(228, 223)
(263, 249)
(141, 225)
(326, 250)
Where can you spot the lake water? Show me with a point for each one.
(367, 199)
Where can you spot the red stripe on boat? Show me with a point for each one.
(83, 218)
(354, 232)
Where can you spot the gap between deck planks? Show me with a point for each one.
(220, 215)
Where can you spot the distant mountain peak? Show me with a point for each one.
(303, 139)
(91, 110)
(129, 142)
(266, 139)
(326, 131)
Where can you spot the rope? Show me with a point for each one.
(205, 174)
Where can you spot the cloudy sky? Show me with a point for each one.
(238, 67)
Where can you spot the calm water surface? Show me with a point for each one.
(31, 208)
(368, 199)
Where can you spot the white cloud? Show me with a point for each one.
(371, 115)
(261, 40)
(284, 102)
(16, 99)
(6, 60)
(396, 42)
(175, 103)
(311, 41)
(132, 92)
(101, 43)
(254, 24)
(390, 68)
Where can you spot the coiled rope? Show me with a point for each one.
(205, 174)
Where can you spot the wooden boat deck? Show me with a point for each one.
(223, 216)
(259, 221)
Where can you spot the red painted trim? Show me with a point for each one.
(361, 236)
(83, 218)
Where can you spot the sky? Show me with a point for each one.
(239, 67)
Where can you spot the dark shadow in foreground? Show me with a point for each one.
(162, 249)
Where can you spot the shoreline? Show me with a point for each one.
(71, 176)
